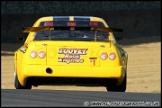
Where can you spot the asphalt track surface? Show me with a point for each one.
(64, 98)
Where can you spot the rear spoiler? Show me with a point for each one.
(38, 29)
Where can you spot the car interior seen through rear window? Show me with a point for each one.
(72, 35)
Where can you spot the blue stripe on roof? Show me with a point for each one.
(81, 18)
(61, 18)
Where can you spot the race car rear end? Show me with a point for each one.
(64, 52)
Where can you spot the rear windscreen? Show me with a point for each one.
(72, 35)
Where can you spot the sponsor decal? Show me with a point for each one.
(72, 55)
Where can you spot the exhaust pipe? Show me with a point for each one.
(49, 70)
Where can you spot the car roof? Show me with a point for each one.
(69, 18)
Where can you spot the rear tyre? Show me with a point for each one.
(18, 85)
(118, 88)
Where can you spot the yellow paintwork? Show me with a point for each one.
(25, 66)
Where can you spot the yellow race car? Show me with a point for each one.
(71, 50)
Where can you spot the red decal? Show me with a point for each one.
(94, 62)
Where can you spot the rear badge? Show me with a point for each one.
(43, 44)
(72, 55)
(103, 46)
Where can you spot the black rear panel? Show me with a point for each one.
(70, 81)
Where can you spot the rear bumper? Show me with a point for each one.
(24, 71)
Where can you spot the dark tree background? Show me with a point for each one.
(140, 20)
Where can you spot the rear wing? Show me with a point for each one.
(44, 28)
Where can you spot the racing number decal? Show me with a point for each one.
(72, 55)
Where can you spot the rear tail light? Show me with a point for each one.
(41, 54)
(104, 56)
(112, 56)
(33, 54)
